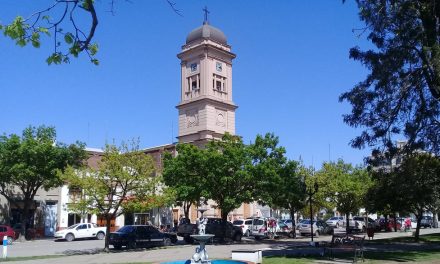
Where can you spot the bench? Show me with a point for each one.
(252, 255)
(344, 242)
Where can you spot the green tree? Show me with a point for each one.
(268, 159)
(401, 93)
(30, 163)
(228, 181)
(184, 174)
(290, 190)
(347, 188)
(418, 181)
(317, 191)
(124, 179)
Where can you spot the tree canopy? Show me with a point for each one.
(290, 190)
(31, 162)
(347, 187)
(401, 93)
(124, 179)
(184, 174)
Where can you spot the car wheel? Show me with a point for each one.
(10, 240)
(237, 237)
(117, 247)
(248, 233)
(166, 242)
(100, 236)
(302, 234)
(70, 237)
(132, 245)
(292, 234)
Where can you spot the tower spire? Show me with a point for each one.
(205, 21)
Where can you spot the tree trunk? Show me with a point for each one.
(292, 212)
(347, 226)
(419, 220)
(186, 207)
(24, 219)
(386, 223)
(395, 222)
(108, 218)
(435, 218)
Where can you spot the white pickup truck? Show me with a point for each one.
(82, 230)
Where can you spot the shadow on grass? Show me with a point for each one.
(347, 257)
(431, 238)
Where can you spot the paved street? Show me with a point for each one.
(87, 251)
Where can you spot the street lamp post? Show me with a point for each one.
(311, 193)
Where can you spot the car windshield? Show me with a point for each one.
(334, 218)
(73, 226)
(126, 229)
(237, 222)
(307, 222)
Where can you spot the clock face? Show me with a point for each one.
(194, 67)
(218, 66)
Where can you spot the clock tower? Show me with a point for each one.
(206, 109)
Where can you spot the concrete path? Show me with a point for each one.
(183, 252)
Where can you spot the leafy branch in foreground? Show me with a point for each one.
(52, 21)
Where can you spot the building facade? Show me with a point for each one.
(206, 111)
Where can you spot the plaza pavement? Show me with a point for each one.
(180, 251)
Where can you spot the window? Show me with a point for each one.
(193, 83)
(219, 83)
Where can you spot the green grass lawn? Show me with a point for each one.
(425, 254)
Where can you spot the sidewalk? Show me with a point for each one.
(184, 252)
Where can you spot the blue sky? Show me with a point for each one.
(292, 64)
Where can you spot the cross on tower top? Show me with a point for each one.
(206, 15)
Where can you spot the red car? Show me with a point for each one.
(389, 226)
(7, 231)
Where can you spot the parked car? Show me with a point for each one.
(335, 221)
(319, 228)
(284, 230)
(6, 230)
(389, 225)
(244, 224)
(135, 236)
(357, 225)
(216, 226)
(222, 229)
(82, 230)
(290, 223)
(426, 221)
(371, 223)
(259, 228)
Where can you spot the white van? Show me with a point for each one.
(259, 228)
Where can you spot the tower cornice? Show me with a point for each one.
(202, 48)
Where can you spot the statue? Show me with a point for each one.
(202, 225)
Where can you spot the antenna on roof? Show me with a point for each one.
(205, 21)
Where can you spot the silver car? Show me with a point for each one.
(335, 221)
